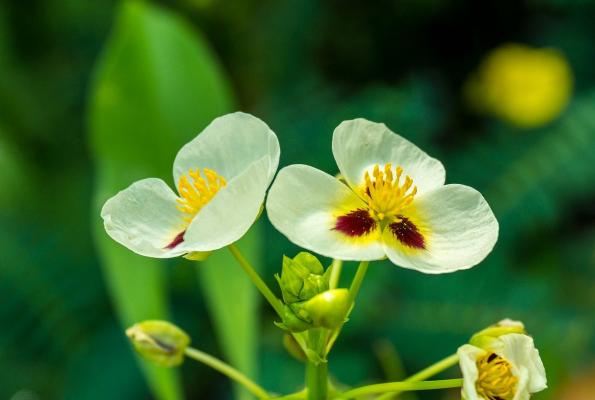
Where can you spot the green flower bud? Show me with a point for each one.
(159, 341)
(484, 337)
(295, 318)
(328, 309)
(302, 278)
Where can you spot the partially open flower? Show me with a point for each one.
(394, 204)
(505, 368)
(222, 176)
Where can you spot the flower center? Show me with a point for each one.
(384, 192)
(197, 189)
(495, 380)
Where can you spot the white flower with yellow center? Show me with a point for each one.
(394, 204)
(506, 368)
(222, 176)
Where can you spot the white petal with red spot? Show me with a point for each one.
(304, 204)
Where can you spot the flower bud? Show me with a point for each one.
(484, 337)
(295, 318)
(159, 341)
(328, 309)
(302, 278)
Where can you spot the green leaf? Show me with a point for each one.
(155, 87)
(233, 302)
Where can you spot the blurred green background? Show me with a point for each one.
(94, 95)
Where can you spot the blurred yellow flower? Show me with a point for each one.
(524, 86)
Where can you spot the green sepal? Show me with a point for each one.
(484, 337)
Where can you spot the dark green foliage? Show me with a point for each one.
(303, 67)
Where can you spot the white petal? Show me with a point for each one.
(229, 215)
(303, 204)
(520, 351)
(360, 144)
(144, 218)
(468, 356)
(228, 146)
(461, 231)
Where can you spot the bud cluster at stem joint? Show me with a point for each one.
(308, 301)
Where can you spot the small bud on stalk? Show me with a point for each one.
(159, 342)
(328, 309)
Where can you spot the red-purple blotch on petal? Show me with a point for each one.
(407, 233)
(356, 223)
(177, 240)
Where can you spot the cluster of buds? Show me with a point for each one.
(309, 303)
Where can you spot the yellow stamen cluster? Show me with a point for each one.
(197, 189)
(495, 380)
(385, 194)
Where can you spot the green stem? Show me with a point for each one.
(294, 396)
(356, 284)
(335, 273)
(228, 371)
(256, 279)
(426, 373)
(353, 291)
(400, 387)
(317, 380)
(264, 289)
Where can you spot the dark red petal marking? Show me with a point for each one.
(356, 223)
(407, 233)
(177, 240)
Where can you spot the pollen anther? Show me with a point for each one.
(385, 193)
(196, 189)
(495, 380)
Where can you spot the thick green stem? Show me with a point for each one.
(317, 380)
(400, 387)
(426, 373)
(256, 279)
(228, 371)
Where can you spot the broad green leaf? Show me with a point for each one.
(233, 302)
(155, 87)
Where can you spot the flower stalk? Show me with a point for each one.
(228, 371)
(256, 279)
(426, 373)
(400, 387)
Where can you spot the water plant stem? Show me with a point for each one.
(353, 291)
(399, 387)
(228, 371)
(256, 279)
(317, 380)
(426, 373)
(336, 266)
(264, 290)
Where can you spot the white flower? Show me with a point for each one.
(508, 368)
(222, 176)
(394, 204)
